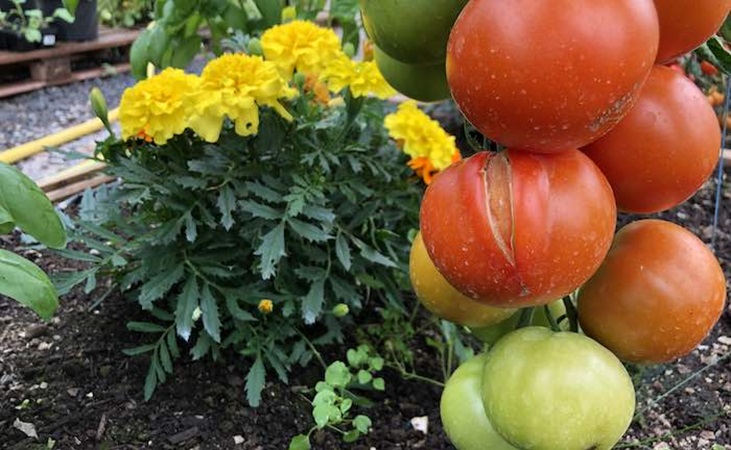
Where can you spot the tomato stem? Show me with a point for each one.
(526, 317)
(571, 313)
(551, 320)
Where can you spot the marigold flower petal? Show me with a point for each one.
(300, 45)
(422, 137)
(232, 86)
(159, 107)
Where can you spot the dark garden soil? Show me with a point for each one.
(70, 380)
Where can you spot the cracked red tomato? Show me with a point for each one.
(518, 229)
(444, 301)
(550, 75)
(656, 296)
(664, 149)
(686, 24)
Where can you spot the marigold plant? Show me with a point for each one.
(250, 205)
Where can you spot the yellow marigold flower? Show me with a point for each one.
(300, 45)
(363, 78)
(368, 80)
(421, 137)
(235, 85)
(266, 306)
(159, 107)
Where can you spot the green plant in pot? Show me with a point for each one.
(26, 28)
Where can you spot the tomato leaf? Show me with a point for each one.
(26, 283)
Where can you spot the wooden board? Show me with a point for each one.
(54, 66)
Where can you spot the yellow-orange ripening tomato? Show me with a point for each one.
(518, 229)
(656, 295)
(443, 300)
(686, 24)
(664, 149)
(550, 75)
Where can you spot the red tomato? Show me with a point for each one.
(686, 24)
(664, 149)
(516, 228)
(444, 301)
(656, 296)
(549, 75)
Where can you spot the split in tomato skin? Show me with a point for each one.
(550, 75)
(656, 296)
(686, 24)
(443, 300)
(517, 229)
(660, 154)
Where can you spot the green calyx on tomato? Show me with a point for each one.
(411, 31)
(463, 415)
(490, 335)
(425, 83)
(544, 390)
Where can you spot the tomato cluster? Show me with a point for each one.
(591, 123)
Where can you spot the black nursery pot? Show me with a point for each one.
(85, 26)
(14, 42)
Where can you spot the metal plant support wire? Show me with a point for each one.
(719, 175)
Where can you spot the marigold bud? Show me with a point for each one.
(266, 306)
(254, 47)
(340, 310)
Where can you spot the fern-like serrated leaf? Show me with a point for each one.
(271, 250)
(308, 231)
(226, 204)
(313, 301)
(210, 315)
(259, 210)
(187, 303)
(159, 285)
(150, 382)
(255, 380)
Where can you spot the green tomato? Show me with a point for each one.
(463, 415)
(426, 83)
(412, 31)
(544, 390)
(491, 334)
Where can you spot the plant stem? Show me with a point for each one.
(315, 352)
(572, 314)
(526, 317)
